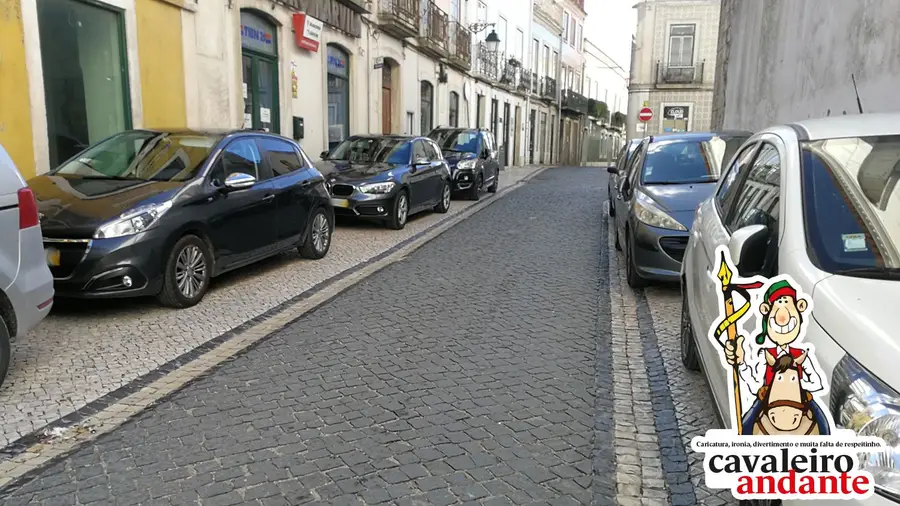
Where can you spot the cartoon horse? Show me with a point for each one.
(784, 408)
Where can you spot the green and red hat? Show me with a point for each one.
(778, 289)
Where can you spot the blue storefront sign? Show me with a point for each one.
(256, 34)
(337, 62)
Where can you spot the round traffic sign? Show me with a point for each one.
(646, 114)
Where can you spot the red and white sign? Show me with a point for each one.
(646, 114)
(307, 32)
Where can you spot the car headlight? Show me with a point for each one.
(647, 212)
(863, 403)
(134, 221)
(377, 187)
(466, 164)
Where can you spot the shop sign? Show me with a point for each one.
(379, 62)
(675, 112)
(337, 62)
(307, 32)
(256, 34)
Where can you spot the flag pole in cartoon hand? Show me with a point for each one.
(730, 324)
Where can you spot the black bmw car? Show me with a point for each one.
(473, 159)
(386, 178)
(162, 212)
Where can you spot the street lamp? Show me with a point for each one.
(492, 41)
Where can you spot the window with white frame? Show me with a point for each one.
(501, 31)
(588, 88)
(681, 45)
(579, 37)
(565, 26)
(572, 32)
(481, 13)
(535, 55)
(546, 61)
(520, 45)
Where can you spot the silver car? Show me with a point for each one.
(26, 285)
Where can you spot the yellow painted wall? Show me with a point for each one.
(161, 63)
(15, 103)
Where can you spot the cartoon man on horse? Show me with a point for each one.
(786, 378)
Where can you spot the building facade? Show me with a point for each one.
(606, 88)
(673, 66)
(574, 105)
(783, 75)
(315, 70)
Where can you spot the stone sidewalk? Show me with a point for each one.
(85, 351)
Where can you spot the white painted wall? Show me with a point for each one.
(801, 67)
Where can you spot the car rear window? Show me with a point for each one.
(688, 161)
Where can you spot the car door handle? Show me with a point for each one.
(268, 198)
(306, 183)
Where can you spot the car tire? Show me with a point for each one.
(400, 211)
(631, 275)
(618, 244)
(475, 190)
(184, 256)
(5, 350)
(496, 184)
(689, 356)
(318, 239)
(444, 204)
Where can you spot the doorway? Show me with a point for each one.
(544, 135)
(517, 159)
(386, 105)
(259, 52)
(338, 95)
(532, 124)
(506, 127)
(495, 116)
(85, 75)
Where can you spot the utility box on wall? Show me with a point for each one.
(298, 128)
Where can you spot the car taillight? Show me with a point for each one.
(28, 211)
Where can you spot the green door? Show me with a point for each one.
(260, 73)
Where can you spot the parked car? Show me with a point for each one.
(816, 200)
(473, 158)
(26, 285)
(612, 181)
(387, 178)
(659, 191)
(153, 212)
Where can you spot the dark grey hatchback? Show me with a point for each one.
(658, 192)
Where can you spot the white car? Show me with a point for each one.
(26, 285)
(817, 200)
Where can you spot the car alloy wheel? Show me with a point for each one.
(445, 198)
(190, 271)
(321, 233)
(689, 357)
(402, 209)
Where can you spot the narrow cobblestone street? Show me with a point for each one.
(505, 362)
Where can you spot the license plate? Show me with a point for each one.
(52, 257)
(340, 202)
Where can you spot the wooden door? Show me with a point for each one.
(386, 110)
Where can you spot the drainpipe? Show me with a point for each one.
(369, 61)
(559, 86)
(527, 115)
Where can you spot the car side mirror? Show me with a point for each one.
(323, 155)
(239, 181)
(747, 247)
(612, 169)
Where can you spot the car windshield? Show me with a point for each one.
(851, 204)
(688, 161)
(463, 141)
(372, 149)
(143, 156)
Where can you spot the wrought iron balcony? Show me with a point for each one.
(460, 46)
(399, 18)
(574, 101)
(680, 76)
(526, 85)
(486, 62)
(535, 84)
(434, 37)
(548, 88)
(509, 72)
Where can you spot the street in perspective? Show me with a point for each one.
(441, 252)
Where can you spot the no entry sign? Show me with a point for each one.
(646, 114)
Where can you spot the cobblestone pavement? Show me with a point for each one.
(86, 350)
(505, 362)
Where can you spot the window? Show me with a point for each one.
(554, 64)
(579, 37)
(454, 10)
(410, 121)
(501, 32)
(241, 156)
(479, 110)
(535, 55)
(636, 161)
(432, 151)
(281, 155)
(576, 82)
(454, 108)
(520, 45)
(546, 61)
(572, 31)
(758, 207)
(687, 162)
(427, 107)
(481, 13)
(338, 95)
(488, 144)
(419, 151)
(850, 203)
(727, 190)
(565, 26)
(587, 88)
(681, 45)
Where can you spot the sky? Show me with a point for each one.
(610, 26)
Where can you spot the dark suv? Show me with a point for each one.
(473, 158)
